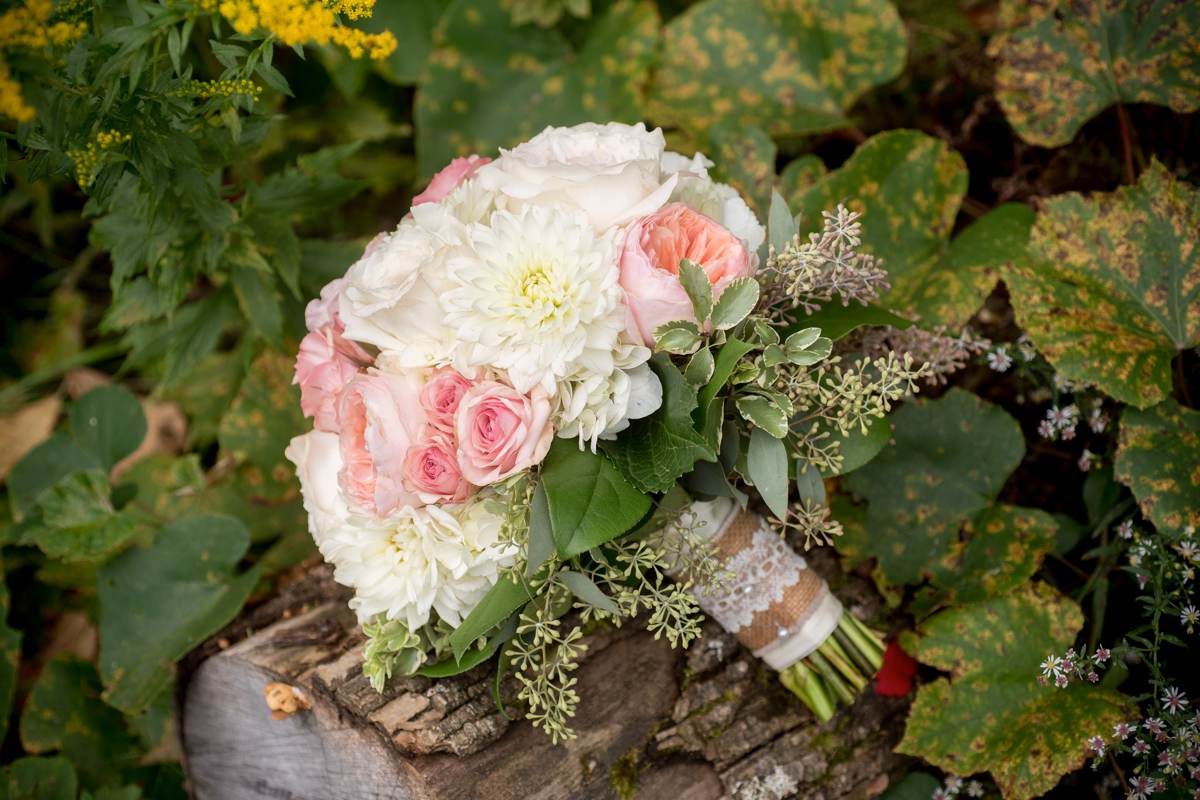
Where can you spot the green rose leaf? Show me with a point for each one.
(78, 521)
(1002, 548)
(590, 502)
(1071, 61)
(501, 601)
(952, 455)
(108, 423)
(1158, 459)
(158, 602)
(488, 84)
(991, 714)
(1112, 289)
(836, 320)
(64, 713)
(656, 451)
(909, 186)
(788, 67)
(39, 779)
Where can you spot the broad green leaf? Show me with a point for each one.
(913, 786)
(695, 282)
(44, 466)
(951, 457)
(909, 187)
(763, 414)
(735, 303)
(259, 301)
(39, 779)
(1159, 459)
(836, 320)
(590, 502)
(262, 419)
(501, 601)
(64, 713)
(78, 521)
(767, 468)
(656, 451)
(108, 422)
(1002, 548)
(412, 23)
(991, 714)
(488, 84)
(587, 592)
(858, 448)
(790, 67)
(745, 158)
(194, 332)
(158, 602)
(1071, 61)
(1112, 289)
(800, 174)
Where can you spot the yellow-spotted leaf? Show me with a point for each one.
(1111, 292)
(1071, 60)
(909, 186)
(488, 84)
(788, 66)
(992, 714)
(1159, 459)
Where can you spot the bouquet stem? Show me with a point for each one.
(837, 671)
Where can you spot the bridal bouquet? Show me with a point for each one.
(559, 384)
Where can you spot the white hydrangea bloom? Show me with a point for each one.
(535, 294)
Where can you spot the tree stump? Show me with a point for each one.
(707, 723)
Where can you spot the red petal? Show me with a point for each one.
(895, 678)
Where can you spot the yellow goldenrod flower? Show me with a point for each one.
(298, 22)
(12, 103)
(88, 160)
(28, 27)
(222, 88)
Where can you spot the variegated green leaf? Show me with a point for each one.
(1071, 60)
(1112, 289)
(788, 66)
(992, 714)
(1159, 459)
(488, 84)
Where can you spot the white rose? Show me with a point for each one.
(723, 203)
(390, 297)
(318, 459)
(697, 165)
(610, 171)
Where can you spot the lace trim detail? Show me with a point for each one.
(759, 576)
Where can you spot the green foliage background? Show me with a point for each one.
(178, 259)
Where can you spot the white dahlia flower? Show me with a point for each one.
(535, 294)
(611, 172)
(593, 405)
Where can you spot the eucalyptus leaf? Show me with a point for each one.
(767, 467)
(810, 486)
(500, 603)
(586, 591)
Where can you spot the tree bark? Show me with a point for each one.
(653, 723)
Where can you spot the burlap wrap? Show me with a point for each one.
(793, 610)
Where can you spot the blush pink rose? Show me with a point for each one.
(501, 431)
(654, 247)
(449, 178)
(380, 419)
(441, 396)
(431, 471)
(322, 372)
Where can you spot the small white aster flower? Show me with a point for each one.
(1062, 384)
(1125, 529)
(1085, 461)
(954, 784)
(1189, 616)
(999, 360)
(1141, 787)
(1121, 731)
(533, 292)
(940, 794)
(1061, 681)
(1102, 654)
(1140, 748)
(1051, 666)
(1026, 347)
(1046, 429)
(1096, 743)
(1155, 726)
(1187, 550)
(1173, 700)
(974, 789)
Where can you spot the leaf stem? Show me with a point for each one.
(1126, 143)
